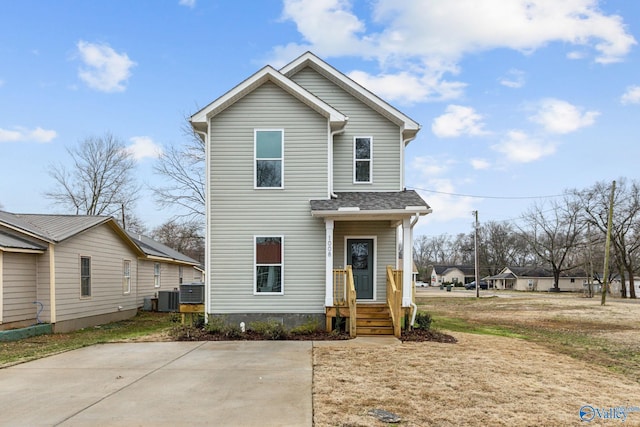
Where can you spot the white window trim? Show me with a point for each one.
(375, 262)
(159, 275)
(255, 159)
(126, 290)
(255, 265)
(90, 276)
(355, 181)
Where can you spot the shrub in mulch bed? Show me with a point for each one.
(420, 335)
(201, 334)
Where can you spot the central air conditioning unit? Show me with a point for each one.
(168, 301)
(192, 293)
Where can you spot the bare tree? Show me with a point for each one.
(625, 233)
(555, 234)
(184, 170)
(101, 180)
(500, 246)
(184, 237)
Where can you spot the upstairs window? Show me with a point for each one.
(362, 150)
(268, 256)
(268, 158)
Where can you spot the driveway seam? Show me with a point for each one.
(128, 385)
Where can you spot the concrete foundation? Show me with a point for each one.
(289, 320)
(87, 322)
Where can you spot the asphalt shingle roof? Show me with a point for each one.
(370, 201)
(8, 240)
(153, 248)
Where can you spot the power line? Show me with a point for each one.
(487, 197)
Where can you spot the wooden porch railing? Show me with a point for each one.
(394, 298)
(344, 295)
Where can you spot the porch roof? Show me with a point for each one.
(371, 203)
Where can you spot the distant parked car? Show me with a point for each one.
(420, 284)
(472, 285)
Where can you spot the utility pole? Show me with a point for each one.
(477, 264)
(607, 245)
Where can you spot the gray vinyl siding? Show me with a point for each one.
(107, 252)
(363, 121)
(386, 244)
(239, 212)
(19, 287)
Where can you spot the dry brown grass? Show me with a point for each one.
(486, 380)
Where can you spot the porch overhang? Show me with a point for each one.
(372, 206)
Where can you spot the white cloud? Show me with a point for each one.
(20, 134)
(446, 207)
(143, 147)
(188, 3)
(513, 79)
(521, 148)
(558, 116)
(104, 69)
(410, 87)
(458, 120)
(428, 166)
(480, 164)
(417, 43)
(631, 95)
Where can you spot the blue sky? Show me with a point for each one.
(517, 99)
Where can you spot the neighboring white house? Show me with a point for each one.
(536, 279)
(305, 171)
(75, 271)
(449, 273)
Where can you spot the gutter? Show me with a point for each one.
(206, 276)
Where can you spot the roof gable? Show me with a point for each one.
(57, 228)
(268, 74)
(409, 127)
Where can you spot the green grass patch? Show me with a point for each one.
(145, 323)
(461, 325)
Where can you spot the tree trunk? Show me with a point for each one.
(632, 286)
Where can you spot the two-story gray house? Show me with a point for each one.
(305, 177)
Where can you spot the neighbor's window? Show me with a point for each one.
(180, 274)
(268, 255)
(126, 276)
(362, 148)
(156, 274)
(268, 154)
(85, 276)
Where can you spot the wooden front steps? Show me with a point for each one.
(373, 319)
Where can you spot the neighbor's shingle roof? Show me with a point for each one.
(157, 249)
(8, 240)
(371, 201)
(53, 228)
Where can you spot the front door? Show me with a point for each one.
(360, 257)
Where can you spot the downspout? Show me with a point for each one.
(413, 304)
(207, 239)
(52, 285)
(330, 155)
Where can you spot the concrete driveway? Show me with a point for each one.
(230, 383)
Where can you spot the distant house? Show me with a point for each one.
(75, 271)
(450, 273)
(161, 267)
(305, 171)
(536, 279)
